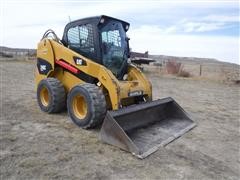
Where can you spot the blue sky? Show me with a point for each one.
(182, 28)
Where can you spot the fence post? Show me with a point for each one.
(200, 70)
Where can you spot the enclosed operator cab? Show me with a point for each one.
(102, 39)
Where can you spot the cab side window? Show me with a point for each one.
(81, 40)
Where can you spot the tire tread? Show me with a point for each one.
(58, 95)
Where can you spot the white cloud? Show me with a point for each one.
(202, 26)
(221, 18)
(206, 23)
(23, 24)
(220, 47)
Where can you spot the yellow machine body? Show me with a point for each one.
(97, 90)
(116, 91)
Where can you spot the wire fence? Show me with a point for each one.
(214, 71)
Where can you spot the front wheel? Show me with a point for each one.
(86, 105)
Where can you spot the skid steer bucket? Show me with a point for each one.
(141, 129)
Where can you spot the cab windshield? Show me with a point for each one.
(114, 47)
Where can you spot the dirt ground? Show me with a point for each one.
(35, 145)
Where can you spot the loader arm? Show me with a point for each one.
(58, 55)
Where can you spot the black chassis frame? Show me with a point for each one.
(95, 21)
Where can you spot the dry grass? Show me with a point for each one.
(173, 67)
(36, 145)
(184, 73)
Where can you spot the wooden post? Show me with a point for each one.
(200, 70)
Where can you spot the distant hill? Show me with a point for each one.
(204, 67)
(4, 48)
(12, 52)
(194, 60)
(6, 52)
(177, 58)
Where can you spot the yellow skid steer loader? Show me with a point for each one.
(88, 72)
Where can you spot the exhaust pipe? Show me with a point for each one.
(141, 129)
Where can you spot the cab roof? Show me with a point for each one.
(93, 20)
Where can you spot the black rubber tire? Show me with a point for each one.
(96, 105)
(57, 95)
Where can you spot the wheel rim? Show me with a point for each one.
(79, 107)
(44, 96)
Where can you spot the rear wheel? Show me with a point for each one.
(51, 95)
(86, 105)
